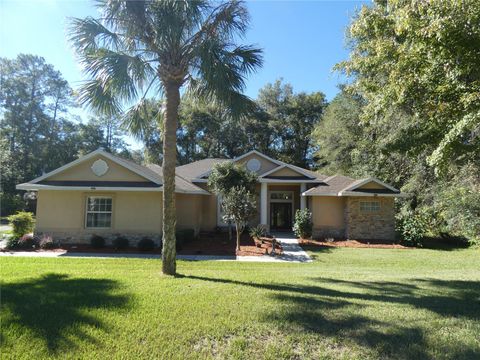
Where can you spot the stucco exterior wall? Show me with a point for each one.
(328, 216)
(208, 209)
(370, 225)
(135, 215)
(189, 211)
(83, 171)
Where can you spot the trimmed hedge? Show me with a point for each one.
(97, 241)
(146, 244)
(184, 236)
(120, 242)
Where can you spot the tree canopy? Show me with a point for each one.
(421, 59)
(39, 130)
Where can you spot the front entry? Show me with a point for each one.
(281, 216)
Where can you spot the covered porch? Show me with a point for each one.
(278, 202)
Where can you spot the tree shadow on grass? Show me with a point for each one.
(332, 312)
(457, 298)
(53, 304)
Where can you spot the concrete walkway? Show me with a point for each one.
(292, 252)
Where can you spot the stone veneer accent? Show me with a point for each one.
(83, 238)
(370, 225)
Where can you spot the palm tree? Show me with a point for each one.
(158, 48)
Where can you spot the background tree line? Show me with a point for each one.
(39, 128)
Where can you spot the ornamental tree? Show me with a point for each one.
(239, 206)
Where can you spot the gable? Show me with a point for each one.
(285, 173)
(265, 164)
(83, 172)
(371, 185)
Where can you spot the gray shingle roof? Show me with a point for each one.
(197, 168)
(181, 185)
(333, 185)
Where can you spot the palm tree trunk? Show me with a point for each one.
(172, 94)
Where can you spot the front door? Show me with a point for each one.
(281, 216)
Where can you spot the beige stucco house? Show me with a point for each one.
(103, 194)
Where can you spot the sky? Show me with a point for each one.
(301, 40)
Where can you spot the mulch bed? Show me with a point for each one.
(89, 249)
(379, 244)
(219, 244)
(214, 244)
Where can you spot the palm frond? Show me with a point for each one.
(234, 103)
(138, 119)
(89, 34)
(118, 73)
(220, 70)
(95, 96)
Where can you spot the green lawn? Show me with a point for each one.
(349, 303)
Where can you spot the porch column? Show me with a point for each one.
(303, 199)
(263, 204)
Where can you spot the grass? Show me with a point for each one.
(349, 303)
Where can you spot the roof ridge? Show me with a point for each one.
(197, 161)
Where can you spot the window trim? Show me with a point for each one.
(98, 212)
(370, 209)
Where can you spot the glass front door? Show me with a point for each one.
(281, 216)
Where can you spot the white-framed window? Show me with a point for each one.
(98, 212)
(369, 206)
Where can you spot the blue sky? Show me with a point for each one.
(302, 40)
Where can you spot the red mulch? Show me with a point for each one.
(379, 244)
(218, 244)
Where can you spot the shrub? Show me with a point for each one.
(459, 207)
(257, 231)
(412, 228)
(146, 244)
(120, 242)
(12, 243)
(97, 241)
(184, 236)
(28, 241)
(303, 226)
(22, 223)
(46, 242)
(454, 240)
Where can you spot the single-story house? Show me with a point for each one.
(104, 194)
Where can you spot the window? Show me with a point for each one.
(369, 206)
(99, 212)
